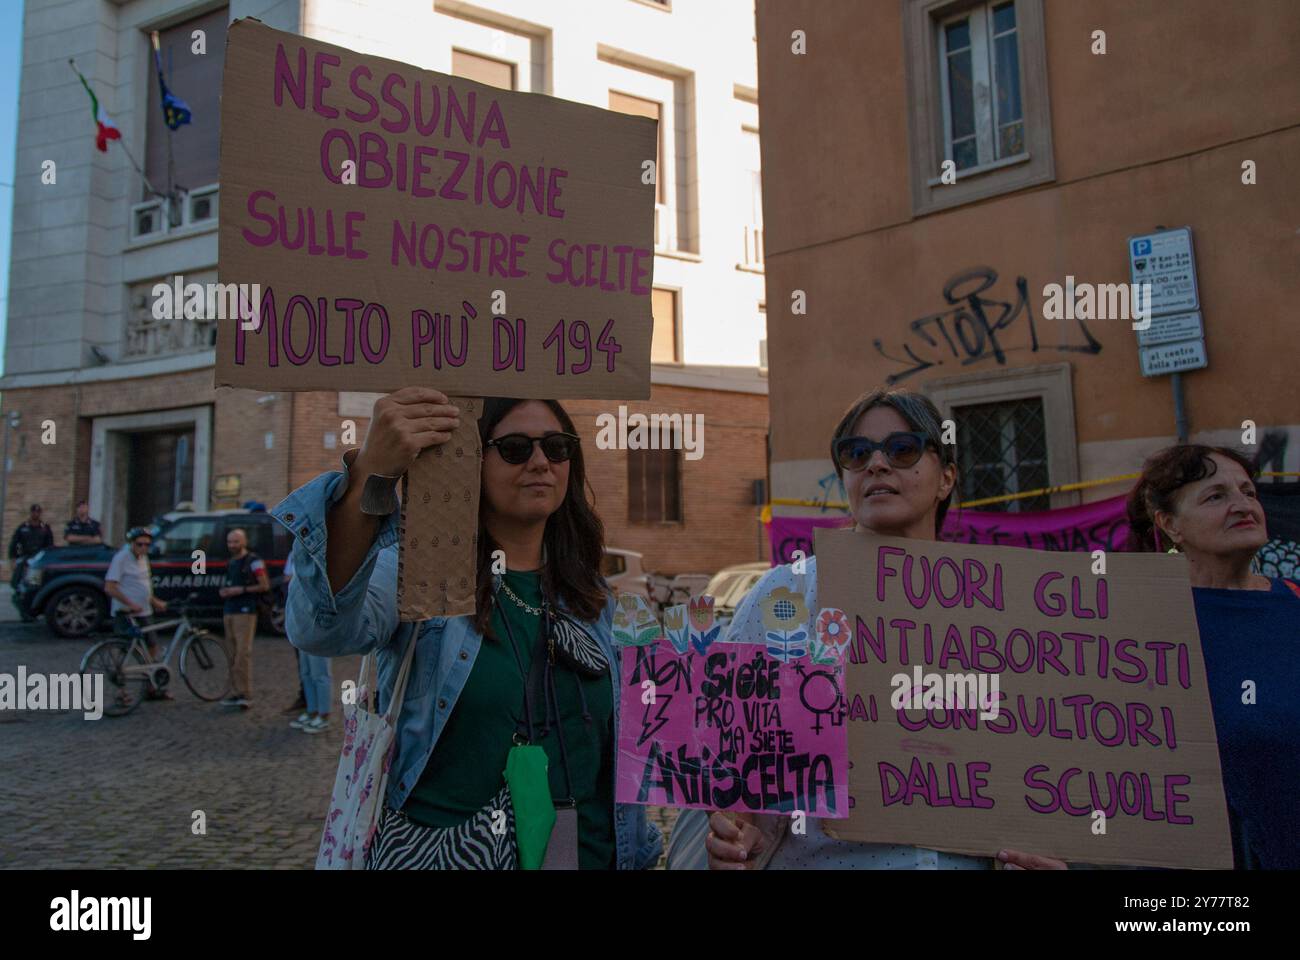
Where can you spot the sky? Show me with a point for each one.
(11, 56)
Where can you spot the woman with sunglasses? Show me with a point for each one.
(534, 666)
(899, 478)
(1201, 501)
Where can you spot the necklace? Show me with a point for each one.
(535, 611)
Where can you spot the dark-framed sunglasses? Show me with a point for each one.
(517, 448)
(901, 449)
(141, 543)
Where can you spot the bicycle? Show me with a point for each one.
(203, 663)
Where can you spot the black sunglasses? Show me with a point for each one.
(900, 449)
(517, 448)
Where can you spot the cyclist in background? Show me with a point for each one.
(129, 582)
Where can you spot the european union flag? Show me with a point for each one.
(175, 111)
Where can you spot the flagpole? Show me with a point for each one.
(72, 64)
(173, 194)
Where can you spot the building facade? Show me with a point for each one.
(137, 424)
(992, 150)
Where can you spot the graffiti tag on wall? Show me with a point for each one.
(978, 328)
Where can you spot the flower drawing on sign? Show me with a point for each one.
(635, 624)
(786, 618)
(832, 637)
(677, 627)
(703, 629)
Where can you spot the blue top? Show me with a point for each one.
(363, 617)
(1254, 635)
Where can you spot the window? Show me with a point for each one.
(185, 536)
(663, 341)
(1015, 432)
(1001, 449)
(612, 564)
(640, 107)
(187, 156)
(977, 96)
(473, 66)
(663, 92)
(654, 490)
(978, 51)
(257, 531)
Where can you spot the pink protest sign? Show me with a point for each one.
(733, 726)
(1102, 525)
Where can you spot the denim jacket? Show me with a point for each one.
(363, 617)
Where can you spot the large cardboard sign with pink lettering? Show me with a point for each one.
(393, 226)
(1053, 703)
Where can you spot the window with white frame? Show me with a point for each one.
(650, 90)
(979, 57)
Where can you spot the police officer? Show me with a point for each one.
(82, 529)
(32, 536)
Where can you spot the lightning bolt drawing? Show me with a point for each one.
(647, 731)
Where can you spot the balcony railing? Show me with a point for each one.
(161, 215)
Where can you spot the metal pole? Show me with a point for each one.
(1180, 408)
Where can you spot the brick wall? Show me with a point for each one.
(57, 475)
(720, 525)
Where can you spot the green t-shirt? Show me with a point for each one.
(466, 767)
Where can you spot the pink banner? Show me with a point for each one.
(1094, 526)
(738, 726)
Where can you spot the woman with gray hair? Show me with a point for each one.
(899, 477)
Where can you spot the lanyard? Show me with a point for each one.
(541, 662)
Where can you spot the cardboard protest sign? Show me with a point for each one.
(757, 727)
(384, 226)
(1004, 698)
(461, 190)
(437, 558)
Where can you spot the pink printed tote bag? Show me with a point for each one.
(369, 739)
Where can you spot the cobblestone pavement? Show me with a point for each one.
(122, 792)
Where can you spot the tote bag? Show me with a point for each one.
(369, 739)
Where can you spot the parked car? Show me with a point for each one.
(66, 584)
(623, 571)
(729, 586)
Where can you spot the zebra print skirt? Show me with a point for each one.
(402, 844)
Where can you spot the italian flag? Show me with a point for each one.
(105, 129)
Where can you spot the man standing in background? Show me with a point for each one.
(245, 578)
(82, 529)
(32, 536)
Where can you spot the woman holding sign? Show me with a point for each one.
(1201, 501)
(899, 477)
(504, 750)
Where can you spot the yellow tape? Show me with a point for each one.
(985, 501)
